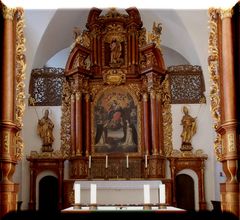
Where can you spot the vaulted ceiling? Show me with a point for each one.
(48, 32)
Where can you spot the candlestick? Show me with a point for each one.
(162, 194)
(146, 164)
(89, 161)
(146, 194)
(106, 165)
(93, 194)
(127, 161)
(77, 193)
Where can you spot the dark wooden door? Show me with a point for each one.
(48, 194)
(185, 192)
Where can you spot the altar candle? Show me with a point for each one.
(93, 198)
(146, 194)
(106, 165)
(162, 193)
(146, 161)
(89, 161)
(127, 160)
(77, 193)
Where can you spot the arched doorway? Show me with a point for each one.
(185, 192)
(48, 194)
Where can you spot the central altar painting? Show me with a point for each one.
(116, 122)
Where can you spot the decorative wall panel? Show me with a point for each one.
(187, 84)
(46, 86)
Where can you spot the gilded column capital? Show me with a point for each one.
(8, 13)
(153, 94)
(87, 97)
(226, 13)
(72, 97)
(78, 95)
(158, 96)
(145, 97)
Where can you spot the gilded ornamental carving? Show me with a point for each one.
(213, 66)
(114, 77)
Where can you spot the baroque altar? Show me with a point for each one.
(115, 107)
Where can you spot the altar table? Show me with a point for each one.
(119, 191)
(120, 208)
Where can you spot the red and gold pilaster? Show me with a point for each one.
(154, 123)
(159, 125)
(228, 127)
(73, 129)
(8, 127)
(78, 124)
(146, 124)
(88, 124)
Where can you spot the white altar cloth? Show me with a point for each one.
(123, 208)
(119, 191)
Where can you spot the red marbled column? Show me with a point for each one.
(7, 74)
(88, 124)
(160, 124)
(133, 48)
(154, 123)
(73, 123)
(129, 50)
(146, 124)
(78, 124)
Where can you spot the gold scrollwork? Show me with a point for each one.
(20, 78)
(114, 77)
(213, 67)
(94, 89)
(81, 38)
(155, 35)
(231, 145)
(167, 116)
(136, 88)
(66, 120)
(54, 154)
(198, 153)
(6, 142)
(142, 37)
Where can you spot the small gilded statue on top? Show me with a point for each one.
(189, 129)
(45, 131)
(116, 51)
